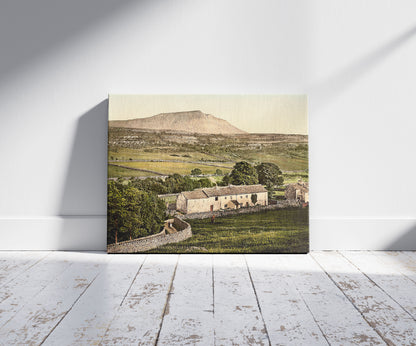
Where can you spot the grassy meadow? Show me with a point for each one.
(127, 154)
(273, 231)
(183, 168)
(183, 152)
(121, 172)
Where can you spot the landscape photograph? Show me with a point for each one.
(208, 174)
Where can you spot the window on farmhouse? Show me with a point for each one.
(225, 197)
(216, 198)
(226, 205)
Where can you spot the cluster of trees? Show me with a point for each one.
(244, 173)
(197, 171)
(132, 213)
(269, 174)
(174, 183)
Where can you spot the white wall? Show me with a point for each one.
(60, 59)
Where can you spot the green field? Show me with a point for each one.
(291, 178)
(275, 231)
(167, 153)
(183, 168)
(289, 152)
(120, 172)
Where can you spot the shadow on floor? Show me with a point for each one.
(84, 197)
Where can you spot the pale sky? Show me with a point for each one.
(251, 113)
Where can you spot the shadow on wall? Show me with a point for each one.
(327, 90)
(324, 92)
(407, 242)
(29, 30)
(83, 202)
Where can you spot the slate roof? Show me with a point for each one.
(302, 186)
(223, 191)
(196, 194)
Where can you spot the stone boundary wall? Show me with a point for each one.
(250, 210)
(168, 195)
(136, 169)
(153, 241)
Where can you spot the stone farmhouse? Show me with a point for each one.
(298, 192)
(220, 198)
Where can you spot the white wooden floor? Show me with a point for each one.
(336, 298)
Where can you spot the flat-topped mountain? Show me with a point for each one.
(192, 122)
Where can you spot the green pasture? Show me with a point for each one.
(275, 231)
(183, 168)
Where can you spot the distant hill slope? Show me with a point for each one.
(192, 122)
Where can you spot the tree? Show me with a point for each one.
(254, 198)
(132, 213)
(152, 215)
(218, 171)
(155, 185)
(117, 212)
(269, 174)
(174, 183)
(226, 180)
(243, 174)
(204, 182)
(132, 221)
(196, 171)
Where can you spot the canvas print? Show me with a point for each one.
(208, 174)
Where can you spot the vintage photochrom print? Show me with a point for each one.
(208, 174)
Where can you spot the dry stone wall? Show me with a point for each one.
(153, 241)
(250, 210)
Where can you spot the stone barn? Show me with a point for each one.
(221, 198)
(298, 192)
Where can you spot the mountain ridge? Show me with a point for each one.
(186, 121)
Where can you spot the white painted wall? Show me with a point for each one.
(60, 59)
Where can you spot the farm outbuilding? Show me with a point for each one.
(221, 198)
(298, 192)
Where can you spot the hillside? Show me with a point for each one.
(289, 152)
(191, 122)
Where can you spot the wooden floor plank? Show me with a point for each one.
(391, 322)
(410, 254)
(360, 297)
(189, 315)
(287, 317)
(10, 259)
(138, 319)
(32, 324)
(15, 294)
(238, 320)
(14, 263)
(386, 276)
(403, 262)
(89, 318)
(338, 319)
